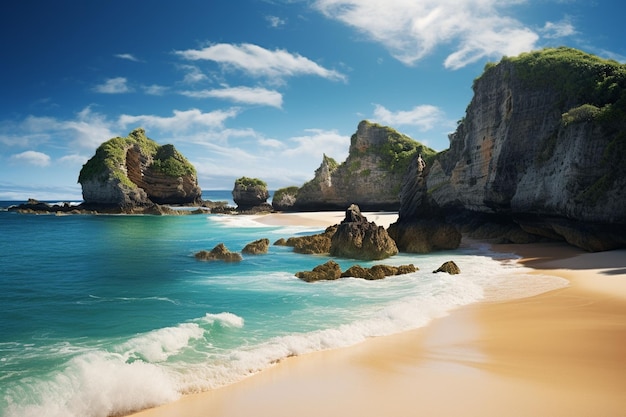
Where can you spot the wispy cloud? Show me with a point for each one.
(275, 21)
(85, 131)
(561, 29)
(316, 142)
(116, 85)
(33, 158)
(260, 62)
(411, 29)
(180, 120)
(425, 117)
(193, 74)
(128, 57)
(247, 95)
(155, 90)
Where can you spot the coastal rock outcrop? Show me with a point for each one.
(542, 146)
(377, 271)
(359, 239)
(325, 272)
(420, 228)
(370, 176)
(331, 271)
(136, 171)
(449, 267)
(313, 244)
(285, 198)
(219, 253)
(257, 247)
(249, 193)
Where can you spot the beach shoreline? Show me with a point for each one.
(559, 353)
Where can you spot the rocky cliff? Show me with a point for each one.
(543, 146)
(136, 171)
(370, 177)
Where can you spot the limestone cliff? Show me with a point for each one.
(370, 177)
(543, 143)
(136, 171)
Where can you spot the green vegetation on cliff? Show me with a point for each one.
(595, 87)
(170, 162)
(245, 182)
(396, 152)
(286, 191)
(591, 89)
(110, 159)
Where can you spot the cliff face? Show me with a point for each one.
(136, 171)
(542, 143)
(370, 177)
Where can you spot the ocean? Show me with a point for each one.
(107, 314)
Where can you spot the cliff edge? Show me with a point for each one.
(543, 145)
(370, 177)
(136, 171)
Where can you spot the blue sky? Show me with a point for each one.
(251, 87)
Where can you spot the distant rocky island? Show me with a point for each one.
(539, 154)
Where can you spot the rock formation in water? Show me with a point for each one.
(310, 244)
(359, 239)
(135, 171)
(331, 271)
(540, 152)
(370, 177)
(219, 253)
(251, 193)
(449, 267)
(257, 247)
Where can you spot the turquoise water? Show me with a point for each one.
(104, 315)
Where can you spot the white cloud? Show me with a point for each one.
(129, 57)
(260, 62)
(553, 30)
(318, 142)
(270, 143)
(181, 120)
(89, 129)
(425, 117)
(74, 159)
(116, 85)
(275, 21)
(411, 29)
(247, 95)
(86, 130)
(155, 90)
(33, 158)
(193, 74)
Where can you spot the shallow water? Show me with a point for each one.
(109, 314)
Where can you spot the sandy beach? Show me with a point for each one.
(561, 353)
